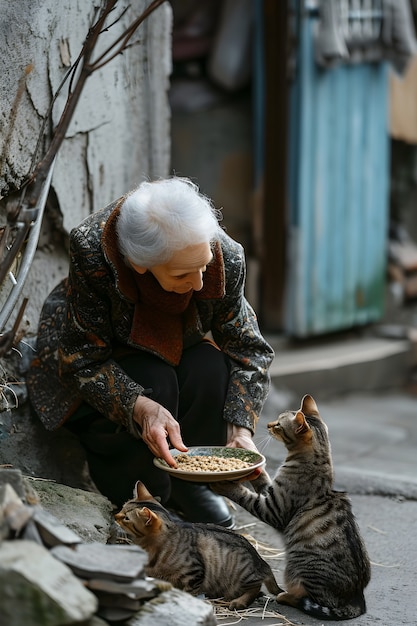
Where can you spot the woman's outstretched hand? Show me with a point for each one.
(241, 437)
(157, 427)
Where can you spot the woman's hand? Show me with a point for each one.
(240, 437)
(157, 426)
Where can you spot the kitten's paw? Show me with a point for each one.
(261, 482)
(162, 585)
(237, 605)
(246, 599)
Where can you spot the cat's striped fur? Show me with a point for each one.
(327, 565)
(198, 558)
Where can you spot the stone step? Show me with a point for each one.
(342, 364)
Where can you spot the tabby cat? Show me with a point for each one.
(194, 557)
(327, 566)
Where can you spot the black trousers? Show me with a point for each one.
(194, 392)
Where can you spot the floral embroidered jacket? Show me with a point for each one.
(87, 321)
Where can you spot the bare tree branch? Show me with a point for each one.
(85, 67)
(125, 37)
(21, 212)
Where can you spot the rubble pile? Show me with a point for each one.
(50, 577)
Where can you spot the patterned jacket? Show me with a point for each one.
(87, 321)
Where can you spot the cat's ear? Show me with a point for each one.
(141, 493)
(308, 406)
(150, 518)
(301, 424)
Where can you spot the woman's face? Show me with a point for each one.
(184, 271)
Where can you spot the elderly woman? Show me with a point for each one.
(150, 344)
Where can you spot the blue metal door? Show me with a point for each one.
(338, 193)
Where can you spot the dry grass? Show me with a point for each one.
(225, 617)
(266, 552)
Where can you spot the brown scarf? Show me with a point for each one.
(161, 317)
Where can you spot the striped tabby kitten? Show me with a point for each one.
(198, 558)
(327, 566)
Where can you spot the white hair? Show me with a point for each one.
(162, 217)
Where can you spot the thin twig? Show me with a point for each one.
(125, 37)
(7, 339)
(86, 68)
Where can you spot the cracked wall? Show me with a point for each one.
(120, 132)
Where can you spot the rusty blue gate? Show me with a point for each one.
(338, 193)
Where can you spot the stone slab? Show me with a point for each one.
(121, 563)
(39, 590)
(52, 531)
(139, 589)
(14, 478)
(14, 515)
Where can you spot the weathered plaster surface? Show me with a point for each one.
(120, 132)
(122, 119)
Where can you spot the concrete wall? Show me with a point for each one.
(214, 147)
(120, 133)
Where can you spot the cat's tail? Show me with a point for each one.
(354, 609)
(272, 585)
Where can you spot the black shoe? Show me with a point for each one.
(197, 503)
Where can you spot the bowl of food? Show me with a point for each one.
(205, 464)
